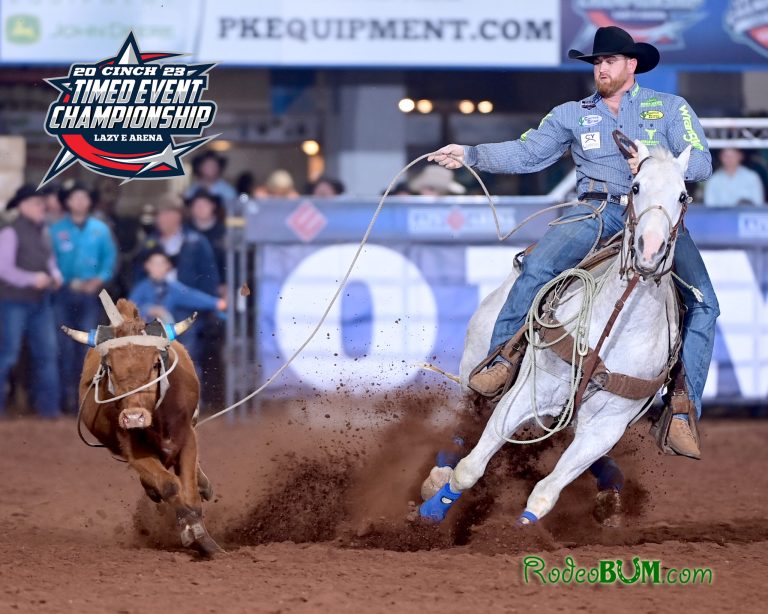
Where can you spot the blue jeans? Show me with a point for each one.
(35, 321)
(563, 246)
(80, 311)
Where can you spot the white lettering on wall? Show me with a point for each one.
(403, 330)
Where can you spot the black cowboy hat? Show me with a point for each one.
(23, 193)
(203, 193)
(209, 154)
(615, 41)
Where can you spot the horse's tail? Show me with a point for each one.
(431, 367)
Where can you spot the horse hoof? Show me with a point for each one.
(437, 506)
(437, 478)
(607, 509)
(526, 519)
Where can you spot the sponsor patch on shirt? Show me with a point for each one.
(651, 115)
(651, 102)
(590, 140)
(590, 120)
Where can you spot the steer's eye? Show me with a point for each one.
(635, 188)
(683, 197)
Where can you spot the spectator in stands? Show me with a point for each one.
(54, 210)
(326, 187)
(86, 255)
(162, 296)
(126, 229)
(245, 184)
(28, 276)
(194, 265)
(436, 181)
(733, 184)
(279, 184)
(206, 214)
(208, 169)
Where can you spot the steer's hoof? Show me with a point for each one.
(437, 506)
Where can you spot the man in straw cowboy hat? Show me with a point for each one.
(585, 126)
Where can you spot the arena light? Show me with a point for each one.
(406, 105)
(466, 106)
(485, 106)
(310, 147)
(424, 106)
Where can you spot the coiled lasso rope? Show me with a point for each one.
(582, 318)
(342, 284)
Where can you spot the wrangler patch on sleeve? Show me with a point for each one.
(690, 135)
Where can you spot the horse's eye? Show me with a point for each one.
(683, 197)
(635, 188)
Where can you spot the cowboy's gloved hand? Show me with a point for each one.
(449, 156)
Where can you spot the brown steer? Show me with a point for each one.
(153, 428)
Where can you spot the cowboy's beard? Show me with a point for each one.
(607, 88)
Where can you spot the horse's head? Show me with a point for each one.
(133, 354)
(658, 201)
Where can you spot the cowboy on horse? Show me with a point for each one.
(604, 179)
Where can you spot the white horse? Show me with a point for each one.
(639, 346)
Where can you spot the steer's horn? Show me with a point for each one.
(78, 335)
(181, 327)
(115, 317)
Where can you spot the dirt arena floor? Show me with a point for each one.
(311, 504)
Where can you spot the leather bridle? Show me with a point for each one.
(628, 149)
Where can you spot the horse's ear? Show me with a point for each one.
(683, 158)
(642, 150)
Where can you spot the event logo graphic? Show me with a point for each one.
(747, 22)
(119, 117)
(658, 23)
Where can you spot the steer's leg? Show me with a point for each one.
(193, 531)
(152, 474)
(593, 438)
(204, 486)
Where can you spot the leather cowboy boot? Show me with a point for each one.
(682, 440)
(489, 381)
(673, 434)
(499, 374)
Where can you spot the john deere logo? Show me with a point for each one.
(651, 115)
(22, 29)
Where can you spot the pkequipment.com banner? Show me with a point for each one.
(376, 33)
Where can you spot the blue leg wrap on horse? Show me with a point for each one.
(450, 458)
(437, 507)
(607, 473)
(530, 516)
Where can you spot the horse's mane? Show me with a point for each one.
(132, 322)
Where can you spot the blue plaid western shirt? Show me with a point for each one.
(655, 118)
